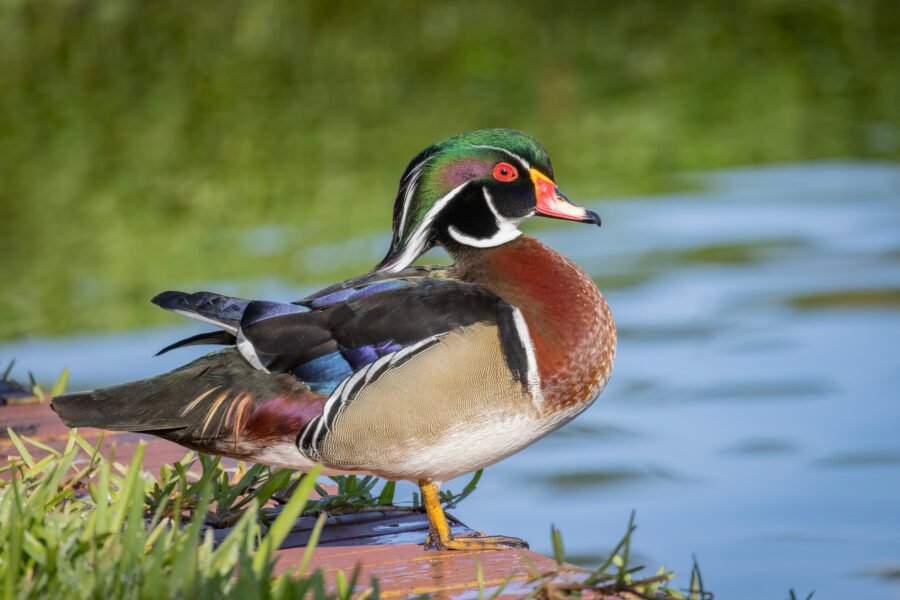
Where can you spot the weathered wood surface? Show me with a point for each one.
(386, 544)
(39, 422)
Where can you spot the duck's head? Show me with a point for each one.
(474, 190)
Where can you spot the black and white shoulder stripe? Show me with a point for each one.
(311, 437)
(518, 348)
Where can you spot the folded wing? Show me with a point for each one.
(324, 339)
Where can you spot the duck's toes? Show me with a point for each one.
(475, 541)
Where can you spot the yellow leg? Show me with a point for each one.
(439, 537)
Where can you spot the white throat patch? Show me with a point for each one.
(507, 229)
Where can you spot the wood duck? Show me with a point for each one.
(409, 373)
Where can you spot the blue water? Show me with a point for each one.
(753, 418)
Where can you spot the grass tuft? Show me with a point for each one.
(76, 525)
(615, 577)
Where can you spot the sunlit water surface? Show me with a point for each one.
(753, 418)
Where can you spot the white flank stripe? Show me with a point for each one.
(249, 352)
(534, 376)
(317, 432)
(341, 393)
(410, 349)
(301, 441)
(374, 368)
(329, 406)
(338, 397)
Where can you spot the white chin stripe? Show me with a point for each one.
(501, 237)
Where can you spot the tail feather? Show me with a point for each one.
(216, 404)
(210, 337)
(221, 311)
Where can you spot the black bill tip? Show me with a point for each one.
(594, 218)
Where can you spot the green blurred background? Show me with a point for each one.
(141, 140)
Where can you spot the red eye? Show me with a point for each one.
(505, 172)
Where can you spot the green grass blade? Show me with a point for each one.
(387, 493)
(311, 545)
(479, 578)
(285, 521)
(559, 551)
(59, 387)
(20, 447)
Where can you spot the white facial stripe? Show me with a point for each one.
(490, 202)
(534, 376)
(407, 199)
(416, 172)
(411, 187)
(507, 230)
(418, 239)
(521, 160)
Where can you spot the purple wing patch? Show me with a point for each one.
(260, 310)
(360, 357)
(353, 293)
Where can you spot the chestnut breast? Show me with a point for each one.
(571, 326)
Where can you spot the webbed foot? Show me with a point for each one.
(440, 537)
(475, 541)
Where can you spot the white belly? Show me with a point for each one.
(473, 446)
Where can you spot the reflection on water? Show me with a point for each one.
(761, 445)
(849, 299)
(753, 415)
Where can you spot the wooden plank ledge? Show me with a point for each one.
(387, 544)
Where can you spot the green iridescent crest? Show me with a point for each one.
(436, 173)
